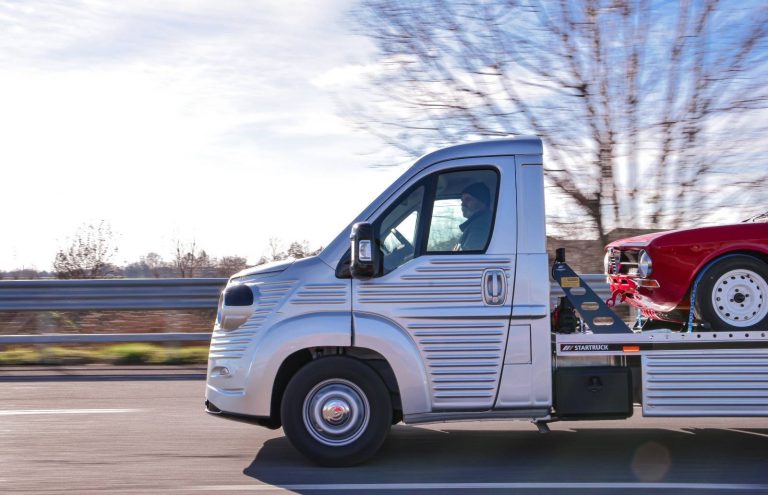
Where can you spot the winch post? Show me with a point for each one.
(591, 308)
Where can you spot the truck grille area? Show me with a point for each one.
(233, 344)
(715, 382)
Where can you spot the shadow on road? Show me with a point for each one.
(419, 455)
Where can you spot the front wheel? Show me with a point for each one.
(733, 294)
(336, 411)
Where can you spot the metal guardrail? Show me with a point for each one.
(138, 294)
(110, 294)
(103, 338)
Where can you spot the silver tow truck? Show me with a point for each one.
(434, 305)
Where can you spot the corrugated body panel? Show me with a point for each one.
(463, 359)
(463, 355)
(440, 281)
(230, 344)
(233, 344)
(706, 383)
(321, 294)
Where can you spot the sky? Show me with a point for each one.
(217, 122)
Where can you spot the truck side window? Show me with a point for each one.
(463, 211)
(463, 205)
(397, 230)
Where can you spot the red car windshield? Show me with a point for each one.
(762, 217)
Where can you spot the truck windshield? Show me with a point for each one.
(397, 230)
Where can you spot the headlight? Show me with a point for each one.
(644, 265)
(237, 308)
(238, 295)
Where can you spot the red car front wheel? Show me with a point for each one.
(733, 294)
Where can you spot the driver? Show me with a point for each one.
(475, 202)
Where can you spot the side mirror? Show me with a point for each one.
(365, 254)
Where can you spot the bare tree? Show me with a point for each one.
(298, 250)
(154, 263)
(150, 265)
(88, 254)
(650, 111)
(275, 247)
(229, 265)
(24, 274)
(188, 258)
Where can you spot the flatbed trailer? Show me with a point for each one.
(681, 374)
(673, 373)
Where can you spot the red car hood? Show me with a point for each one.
(640, 240)
(740, 231)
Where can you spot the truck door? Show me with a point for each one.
(448, 244)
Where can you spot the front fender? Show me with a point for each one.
(748, 249)
(398, 348)
(676, 281)
(330, 329)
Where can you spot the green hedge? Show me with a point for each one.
(111, 354)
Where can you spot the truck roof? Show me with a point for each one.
(520, 145)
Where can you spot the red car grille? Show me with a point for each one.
(623, 262)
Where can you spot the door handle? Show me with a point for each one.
(494, 286)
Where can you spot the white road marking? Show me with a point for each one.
(485, 486)
(684, 430)
(749, 432)
(25, 412)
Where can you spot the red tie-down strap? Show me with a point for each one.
(619, 290)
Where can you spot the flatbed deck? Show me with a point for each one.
(639, 343)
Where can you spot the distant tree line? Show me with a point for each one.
(91, 251)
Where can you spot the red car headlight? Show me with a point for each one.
(644, 265)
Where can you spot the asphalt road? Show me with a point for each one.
(147, 433)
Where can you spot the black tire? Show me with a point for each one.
(733, 295)
(336, 382)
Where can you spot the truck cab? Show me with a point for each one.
(433, 305)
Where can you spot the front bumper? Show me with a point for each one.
(267, 422)
(639, 293)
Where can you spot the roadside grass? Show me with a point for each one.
(118, 354)
(20, 356)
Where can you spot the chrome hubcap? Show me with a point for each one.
(739, 298)
(336, 412)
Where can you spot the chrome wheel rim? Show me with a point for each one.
(336, 412)
(739, 298)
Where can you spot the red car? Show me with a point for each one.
(727, 266)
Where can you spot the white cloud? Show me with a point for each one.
(348, 75)
(174, 119)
